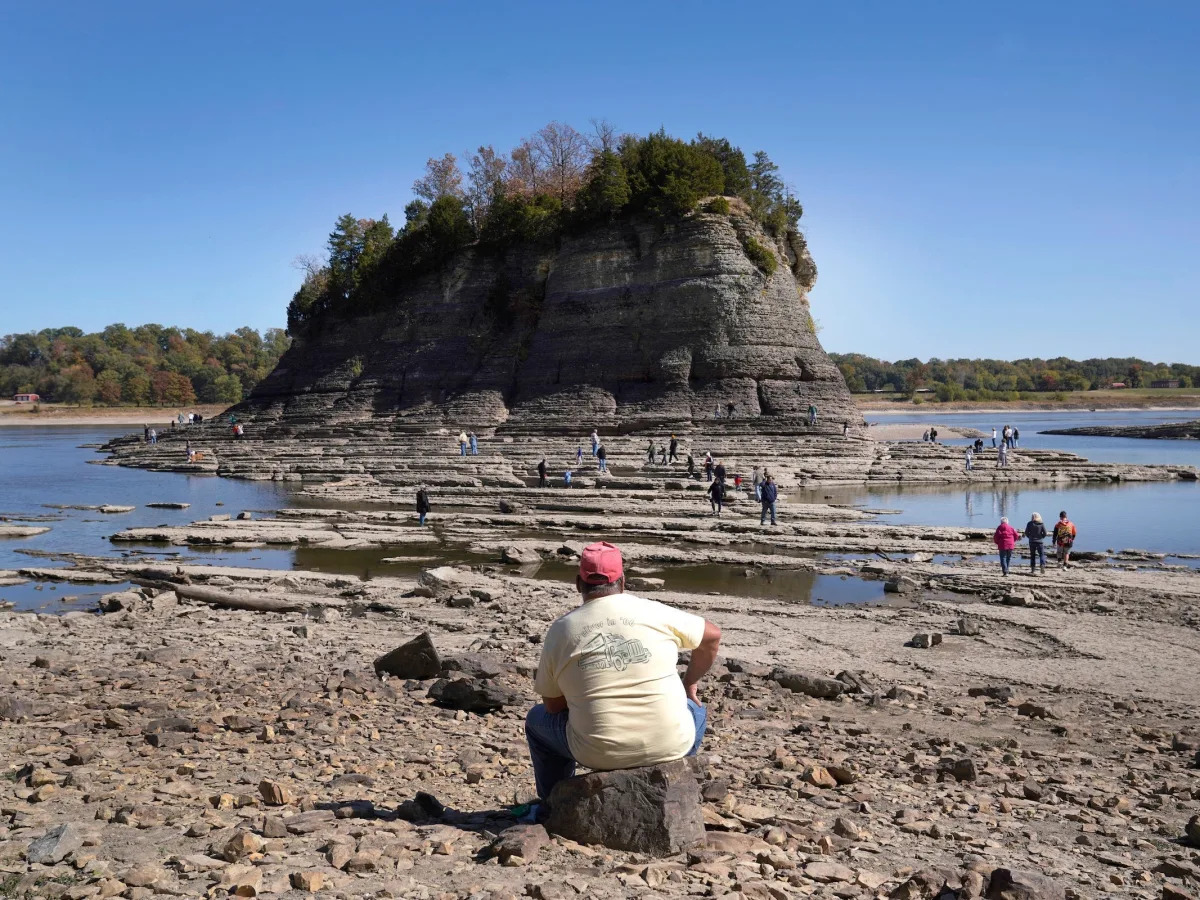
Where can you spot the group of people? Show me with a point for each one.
(1008, 437)
(468, 439)
(1062, 535)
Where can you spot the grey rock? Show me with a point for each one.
(1191, 831)
(1017, 598)
(13, 709)
(901, 585)
(1001, 692)
(653, 810)
(470, 694)
(812, 685)
(1014, 884)
(417, 658)
(55, 845)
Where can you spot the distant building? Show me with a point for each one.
(34, 398)
(1117, 384)
(1165, 383)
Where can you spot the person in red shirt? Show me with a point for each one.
(1005, 539)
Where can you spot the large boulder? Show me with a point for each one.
(55, 845)
(471, 694)
(417, 658)
(1014, 884)
(653, 810)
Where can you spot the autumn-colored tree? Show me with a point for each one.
(485, 181)
(442, 179)
(562, 153)
(108, 387)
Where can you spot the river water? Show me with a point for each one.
(43, 468)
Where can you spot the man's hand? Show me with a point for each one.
(702, 660)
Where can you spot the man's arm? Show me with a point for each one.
(702, 660)
(554, 704)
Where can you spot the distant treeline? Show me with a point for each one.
(150, 364)
(994, 379)
(554, 181)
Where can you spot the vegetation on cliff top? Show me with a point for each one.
(993, 379)
(557, 180)
(137, 366)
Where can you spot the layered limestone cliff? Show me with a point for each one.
(624, 326)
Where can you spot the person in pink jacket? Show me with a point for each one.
(1005, 539)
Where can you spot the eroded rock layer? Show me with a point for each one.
(624, 326)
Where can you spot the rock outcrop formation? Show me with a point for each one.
(624, 325)
(1179, 431)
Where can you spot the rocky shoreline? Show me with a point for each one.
(222, 730)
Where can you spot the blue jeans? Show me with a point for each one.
(462, 449)
(767, 508)
(546, 734)
(1005, 560)
(1037, 551)
(421, 518)
(474, 447)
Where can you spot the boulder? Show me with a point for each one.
(1191, 832)
(519, 556)
(812, 685)
(520, 841)
(13, 709)
(653, 810)
(1017, 598)
(416, 659)
(55, 845)
(1014, 884)
(1001, 692)
(471, 694)
(901, 585)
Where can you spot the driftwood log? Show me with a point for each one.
(261, 602)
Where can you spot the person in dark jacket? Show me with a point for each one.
(541, 470)
(423, 506)
(601, 458)
(650, 451)
(673, 449)
(719, 471)
(691, 464)
(770, 493)
(716, 494)
(1035, 533)
(708, 468)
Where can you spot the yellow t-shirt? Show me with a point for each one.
(614, 659)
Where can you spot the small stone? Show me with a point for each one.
(921, 641)
(818, 776)
(417, 659)
(241, 845)
(522, 841)
(55, 845)
(307, 881)
(1035, 710)
(275, 794)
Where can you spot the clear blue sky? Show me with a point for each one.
(1003, 180)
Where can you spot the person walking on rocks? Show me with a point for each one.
(716, 495)
(757, 479)
(1035, 533)
(933, 434)
(650, 452)
(611, 695)
(719, 472)
(812, 415)
(691, 465)
(969, 459)
(1002, 457)
(579, 457)
(770, 495)
(541, 470)
(993, 436)
(925, 435)
(567, 478)
(662, 454)
(673, 449)
(474, 444)
(1064, 539)
(845, 428)
(462, 443)
(601, 458)
(1005, 539)
(708, 467)
(595, 441)
(153, 436)
(1016, 438)
(146, 433)
(423, 506)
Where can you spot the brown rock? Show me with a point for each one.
(523, 841)
(307, 881)
(1014, 884)
(275, 794)
(818, 776)
(241, 845)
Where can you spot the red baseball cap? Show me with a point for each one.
(600, 563)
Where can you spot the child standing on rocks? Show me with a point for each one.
(1064, 539)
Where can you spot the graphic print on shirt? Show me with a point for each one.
(612, 651)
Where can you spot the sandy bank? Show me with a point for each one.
(49, 414)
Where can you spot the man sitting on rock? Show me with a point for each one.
(612, 697)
